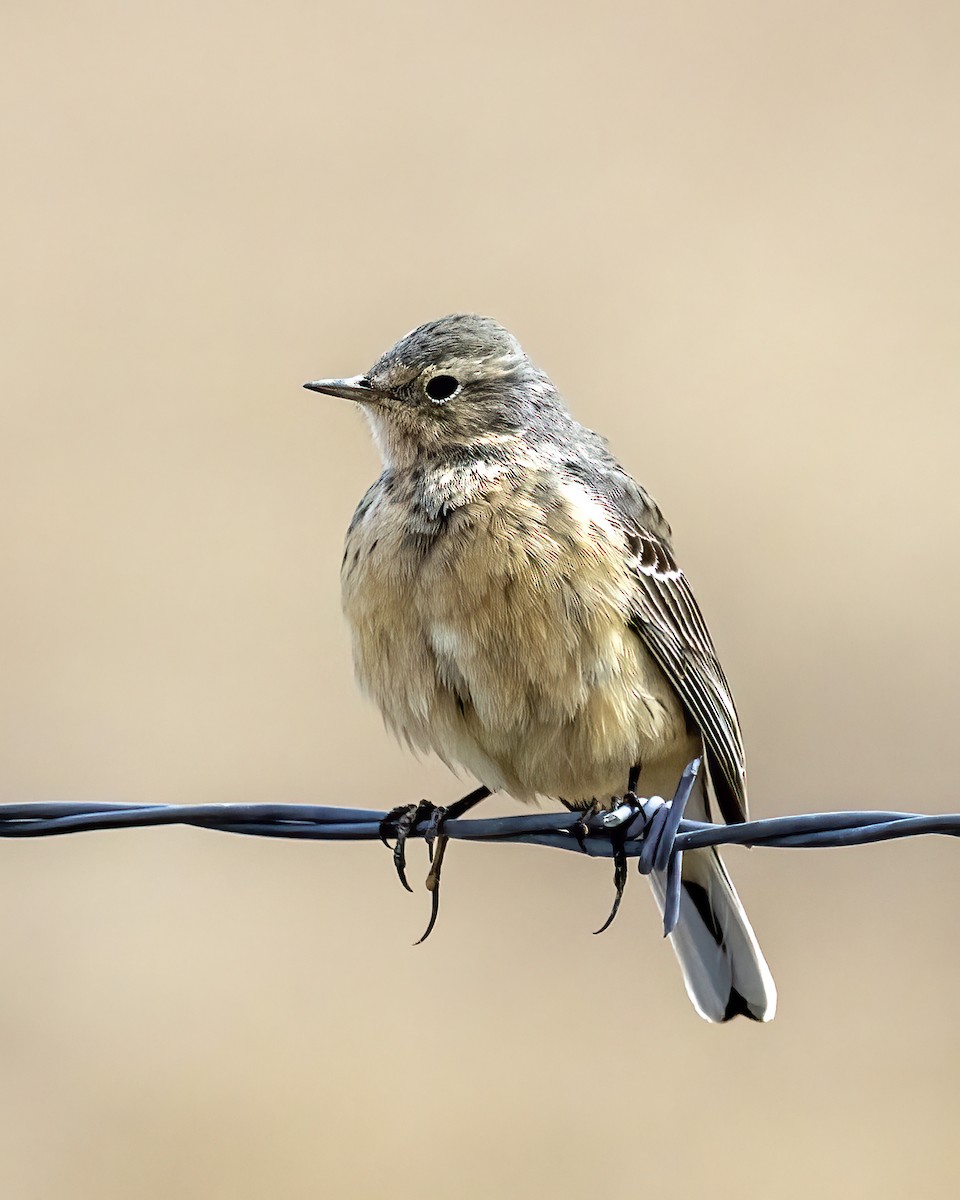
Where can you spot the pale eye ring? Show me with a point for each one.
(441, 387)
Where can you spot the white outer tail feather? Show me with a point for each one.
(727, 977)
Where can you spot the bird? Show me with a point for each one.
(515, 607)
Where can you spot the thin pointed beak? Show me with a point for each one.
(357, 388)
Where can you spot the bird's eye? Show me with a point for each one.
(441, 387)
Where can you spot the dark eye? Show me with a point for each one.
(442, 387)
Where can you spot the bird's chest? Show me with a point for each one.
(516, 593)
(421, 583)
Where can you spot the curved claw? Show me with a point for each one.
(433, 884)
(400, 822)
(619, 880)
(434, 913)
(400, 860)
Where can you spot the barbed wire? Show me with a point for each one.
(649, 829)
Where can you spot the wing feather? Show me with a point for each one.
(668, 620)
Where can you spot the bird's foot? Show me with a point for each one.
(619, 820)
(400, 822)
(580, 826)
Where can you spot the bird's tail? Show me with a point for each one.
(723, 966)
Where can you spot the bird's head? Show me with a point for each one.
(455, 385)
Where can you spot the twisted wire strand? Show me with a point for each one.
(649, 829)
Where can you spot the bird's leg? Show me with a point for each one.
(633, 778)
(618, 835)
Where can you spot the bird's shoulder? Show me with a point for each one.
(585, 460)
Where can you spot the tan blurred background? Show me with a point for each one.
(729, 232)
